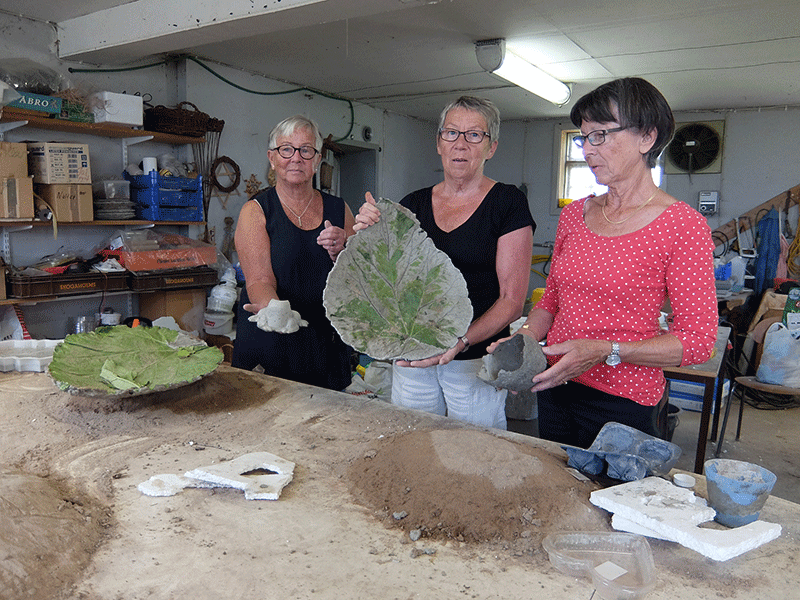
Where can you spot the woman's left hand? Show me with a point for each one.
(577, 357)
(332, 239)
(439, 359)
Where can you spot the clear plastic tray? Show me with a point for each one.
(619, 564)
(26, 355)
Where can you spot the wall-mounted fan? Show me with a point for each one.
(696, 148)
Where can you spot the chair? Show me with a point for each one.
(749, 383)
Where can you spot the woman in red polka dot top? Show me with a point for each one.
(617, 258)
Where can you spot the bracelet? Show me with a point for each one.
(465, 341)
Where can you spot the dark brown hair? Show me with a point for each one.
(639, 104)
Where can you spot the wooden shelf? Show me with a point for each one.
(110, 130)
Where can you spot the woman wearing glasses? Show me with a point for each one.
(486, 229)
(287, 239)
(617, 258)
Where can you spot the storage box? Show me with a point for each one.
(172, 279)
(37, 102)
(170, 258)
(689, 395)
(24, 286)
(13, 160)
(16, 198)
(122, 109)
(59, 162)
(75, 112)
(70, 203)
(112, 189)
(187, 307)
(160, 198)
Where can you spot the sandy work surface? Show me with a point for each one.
(385, 503)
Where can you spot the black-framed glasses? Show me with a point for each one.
(596, 137)
(287, 151)
(472, 137)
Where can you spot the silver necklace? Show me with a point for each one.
(300, 216)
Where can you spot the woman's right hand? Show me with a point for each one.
(368, 214)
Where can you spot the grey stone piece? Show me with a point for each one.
(393, 294)
(513, 364)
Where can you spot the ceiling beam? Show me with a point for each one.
(143, 28)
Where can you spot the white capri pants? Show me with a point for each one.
(453, 390)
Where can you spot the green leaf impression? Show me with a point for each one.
(393, 294)
(115, 359)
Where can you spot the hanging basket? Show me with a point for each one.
(178, 120)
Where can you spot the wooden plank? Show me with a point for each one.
(749, 219)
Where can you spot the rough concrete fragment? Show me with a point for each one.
(229, 474)
(513, 364)
(256, 487)
(674, 513)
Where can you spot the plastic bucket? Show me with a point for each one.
(217, 322)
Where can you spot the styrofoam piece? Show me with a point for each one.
(26, 355)
(229, 474)
(674, 513)
(257, 487)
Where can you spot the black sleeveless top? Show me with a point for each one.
(315, 354)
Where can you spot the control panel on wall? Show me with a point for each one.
(708, 203)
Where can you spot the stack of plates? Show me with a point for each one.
(114, 209)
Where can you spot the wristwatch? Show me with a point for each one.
(613, 359)
(465, 341)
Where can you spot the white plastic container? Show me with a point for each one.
(218, 322)
(26, 355)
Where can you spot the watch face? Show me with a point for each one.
(613, 360)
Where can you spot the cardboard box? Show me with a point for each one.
(185, 306)
(688, 395)
(59, 162)
(37, 102)
(16, 198)
(122, 109)
(70, 203)
(13, 160)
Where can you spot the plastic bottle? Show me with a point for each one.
(737, 271)
(223, 296)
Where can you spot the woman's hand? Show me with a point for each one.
(577, 357)
(333, 239)
(439, 359)
(368, 214)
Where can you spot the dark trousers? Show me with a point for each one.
(573, 414)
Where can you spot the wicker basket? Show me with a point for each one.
(178, 120)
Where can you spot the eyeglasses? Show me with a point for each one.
(306, 152)
(595, 138)
(472, 137)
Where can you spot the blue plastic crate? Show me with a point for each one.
(169, 213)
(160, 198)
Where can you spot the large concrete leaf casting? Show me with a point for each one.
(393, 294)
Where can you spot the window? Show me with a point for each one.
(575, 179)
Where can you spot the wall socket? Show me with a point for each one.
(708, 203)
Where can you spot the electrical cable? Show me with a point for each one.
(231, 83)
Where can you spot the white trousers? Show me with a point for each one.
(453, 390)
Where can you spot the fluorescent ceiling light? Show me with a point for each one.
(494, 58)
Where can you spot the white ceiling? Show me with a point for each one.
(412, 56)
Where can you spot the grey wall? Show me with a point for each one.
(759, 160)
